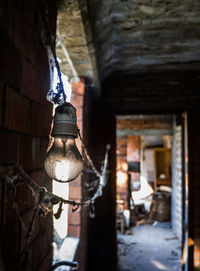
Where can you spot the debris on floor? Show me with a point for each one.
(149, 248)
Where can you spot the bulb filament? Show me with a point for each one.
(64, 141)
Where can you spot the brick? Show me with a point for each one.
(24, 198)
(10, 213)
(47, 181)
(76, 182)
(75, 192)
(43, 149)
(35, 91)
(2, 202)
(10, 245)
(42, 119)
(80, 125)
(122, 189)
(14, 24)
(39, 248)
(133, 148)
(22, 241)
(79, 113)
(77, 100)
(9, 148)
(122, 141)
(28, 7)
(30, 82)
(121, 123)
(44, 88)
(122, 151)
(78, 87)
(74, 230)
(18, 112)
(78, 144)
(19, 40)
(27, 43)
(47, 261)
(46, 220)
(11, 63)
(138, 124)
(30, 153)
(37, 230)
(1, 104)
(27, 218)
(43, 68)
(38, 177)
(3, 14)
(122, 163)
(74, 218)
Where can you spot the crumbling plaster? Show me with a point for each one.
(137, 36)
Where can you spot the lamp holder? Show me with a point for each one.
(65, 121)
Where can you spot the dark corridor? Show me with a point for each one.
(116, 58)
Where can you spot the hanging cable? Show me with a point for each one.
(60, 96)
(47, 39)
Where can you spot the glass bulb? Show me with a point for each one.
(63, 162)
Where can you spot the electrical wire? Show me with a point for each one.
(48, 42)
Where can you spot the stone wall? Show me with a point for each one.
(25, 120)
(144, 36)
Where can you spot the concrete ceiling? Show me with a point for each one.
(131, 36)
(71, 45)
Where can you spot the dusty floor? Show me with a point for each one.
(149, 248)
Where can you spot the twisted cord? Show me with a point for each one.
(48, 41)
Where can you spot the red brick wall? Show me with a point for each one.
(133, 148)
(133, 152)
(122, 166)
(143, 124)
(75, 191)
(25, 119)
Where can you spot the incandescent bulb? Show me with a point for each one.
(63, 162)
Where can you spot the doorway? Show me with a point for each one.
(151, 192)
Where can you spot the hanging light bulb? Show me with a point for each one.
(64, 162)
